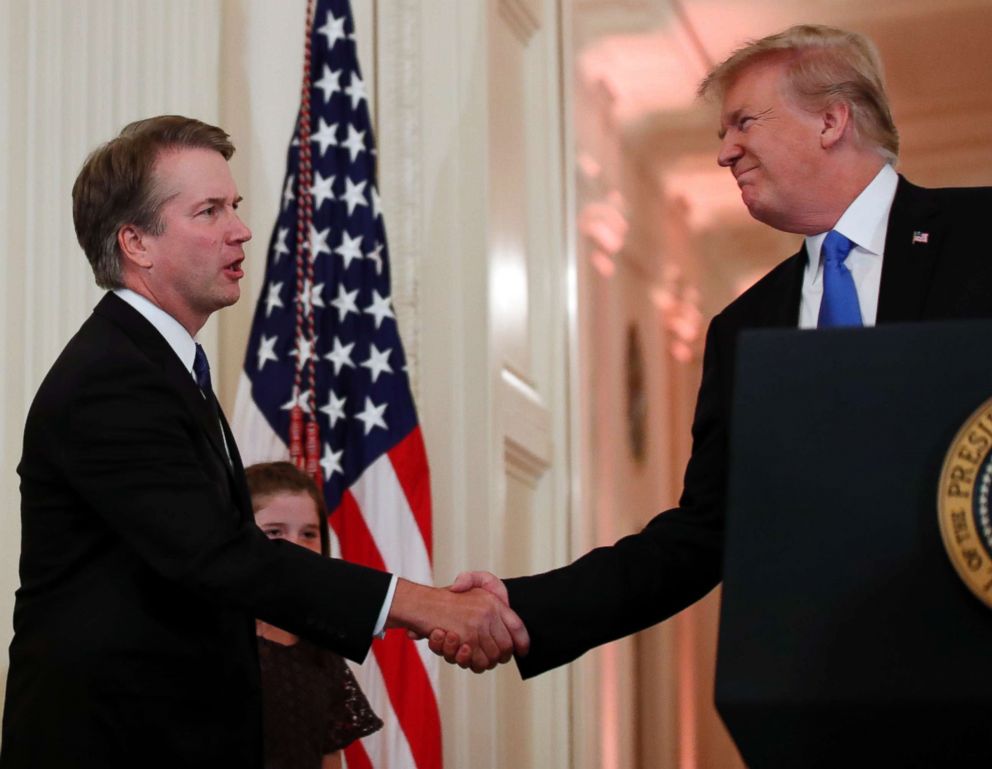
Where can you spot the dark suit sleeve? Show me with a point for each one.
(646, 577)
(141, 462)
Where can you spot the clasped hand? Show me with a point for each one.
(456, 649)
(470, 623)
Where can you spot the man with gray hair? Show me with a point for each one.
(806, 130)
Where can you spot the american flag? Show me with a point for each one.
(324, 342)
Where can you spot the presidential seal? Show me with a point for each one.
(963, 503)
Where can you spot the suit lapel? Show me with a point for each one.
(153, 344)
(237, 466)
(206, 415)
(788, 287)
(912, 245)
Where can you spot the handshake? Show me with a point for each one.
(469, 623)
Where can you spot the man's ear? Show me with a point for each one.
(836, 118)
(133, 248)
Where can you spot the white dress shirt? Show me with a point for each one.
(865, 223)
(185, 347)
(182, 344)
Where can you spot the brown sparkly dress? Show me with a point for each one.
(311, 704)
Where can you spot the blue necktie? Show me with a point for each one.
(201, 370)
(839, 306)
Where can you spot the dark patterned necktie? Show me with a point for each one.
(201, 370)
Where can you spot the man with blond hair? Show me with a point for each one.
(806, 130)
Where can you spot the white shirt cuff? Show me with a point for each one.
(387, 604)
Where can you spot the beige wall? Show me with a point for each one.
(71, 75)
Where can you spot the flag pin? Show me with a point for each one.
(921, 237)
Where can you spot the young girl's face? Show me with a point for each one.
(291, 516)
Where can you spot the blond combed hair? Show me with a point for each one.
(824, 65)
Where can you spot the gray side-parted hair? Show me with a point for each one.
(116, 186)
(824, 65)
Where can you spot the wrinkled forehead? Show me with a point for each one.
(194, 171)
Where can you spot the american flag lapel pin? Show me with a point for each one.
(921, 237)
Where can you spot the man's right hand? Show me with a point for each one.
(485, 631)
(444, 641)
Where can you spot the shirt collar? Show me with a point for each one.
(866, 221)
(171, 329)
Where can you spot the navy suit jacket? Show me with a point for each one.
(142, 571)
(677, 558)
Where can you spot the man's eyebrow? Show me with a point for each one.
(730, 119)
(219, 201)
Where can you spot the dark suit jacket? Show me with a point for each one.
(677, 558)
(142, 570)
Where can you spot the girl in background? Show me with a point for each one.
(311, 703)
